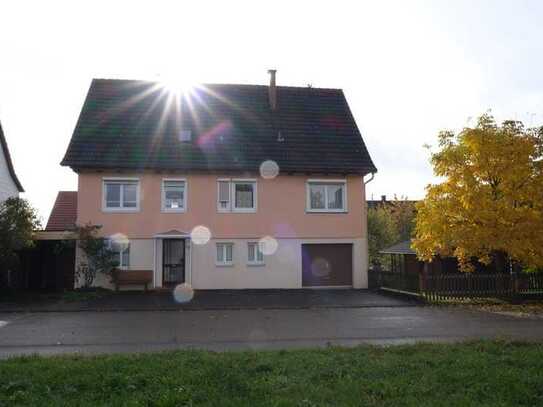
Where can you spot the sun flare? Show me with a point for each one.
(177, 86)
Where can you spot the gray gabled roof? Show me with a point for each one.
(399, 248)
(136, 125)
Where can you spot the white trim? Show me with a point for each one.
(119, 180)
(232, 195)
(154, 263)
(179, 236)
(233, 183)
(110, 242)
(187, 257)
(224, 263)
(188, 267)
(163, 196)
(255, 262)
(229, 207)
(324, 182)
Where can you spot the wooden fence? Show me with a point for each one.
(439, 287)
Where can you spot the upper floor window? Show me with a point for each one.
(173, 195)
(121, 194)
(236, 195)
(326, 196)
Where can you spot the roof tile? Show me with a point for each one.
(136, 125)
(64, 214)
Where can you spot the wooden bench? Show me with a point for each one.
(132, 277)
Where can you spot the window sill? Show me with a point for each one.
(120, 210)
(256, 264)
(236, 212)
(224, 264)
(173, 210)
(326, 211)
(240, 211)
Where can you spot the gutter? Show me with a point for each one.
(371, 179)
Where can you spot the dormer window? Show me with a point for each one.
(185, 136)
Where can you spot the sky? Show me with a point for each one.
(408, 68)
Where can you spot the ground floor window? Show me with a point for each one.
(254, 253)
(122, 253)
(225, 254)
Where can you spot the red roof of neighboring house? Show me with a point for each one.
(64, 214)
(4, 146)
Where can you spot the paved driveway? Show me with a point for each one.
(216, 300)
(98, 332)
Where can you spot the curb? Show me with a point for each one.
(212, 308)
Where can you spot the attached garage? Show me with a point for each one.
(327, 265)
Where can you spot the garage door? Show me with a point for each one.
(327, 265)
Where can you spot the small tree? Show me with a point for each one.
(382, 232)
(403, 213)
(99, 258)
(18, 221)
(491, 199)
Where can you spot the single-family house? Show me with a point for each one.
(9, 183)
(224, 186)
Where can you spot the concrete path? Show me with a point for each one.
(105, 332)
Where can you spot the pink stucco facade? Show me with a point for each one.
(281, 208)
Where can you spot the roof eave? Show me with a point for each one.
(11, 169)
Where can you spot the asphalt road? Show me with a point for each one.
(108, 332)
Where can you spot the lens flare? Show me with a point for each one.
(183, 293)
(268, 245)
(269, 169)
(320, 267)
(177, 85)
(119, 238)
(200, 235)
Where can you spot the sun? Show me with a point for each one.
(177, 85)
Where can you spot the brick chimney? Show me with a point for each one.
(272, 91)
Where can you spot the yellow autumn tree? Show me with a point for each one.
(491, 197)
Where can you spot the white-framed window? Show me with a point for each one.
(223, 195)
(225, 254)
(236, 195)
(122, 253)
(185, 136)
(326, 196)
(121, 194)
(254, 253)
(174, 195)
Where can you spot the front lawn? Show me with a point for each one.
(478, 374)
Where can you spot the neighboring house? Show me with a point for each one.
(225, 186)
(50, 263)
(63, 216)
(9, 184)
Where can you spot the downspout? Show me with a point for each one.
(365, 223)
